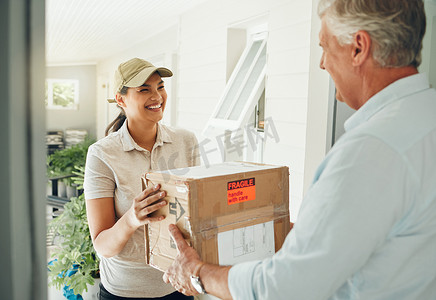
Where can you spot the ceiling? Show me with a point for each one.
(86, 31)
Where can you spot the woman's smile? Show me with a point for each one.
(156, 107)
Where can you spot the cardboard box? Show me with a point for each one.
(229, 212)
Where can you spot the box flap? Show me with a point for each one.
(227, 168)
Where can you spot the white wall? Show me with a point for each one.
(429, 43)
(202, 74)
(85, 116)
(318, 105)
(287, 90)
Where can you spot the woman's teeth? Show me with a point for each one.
(154, 106)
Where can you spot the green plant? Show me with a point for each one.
(76, 263)
(63, 162)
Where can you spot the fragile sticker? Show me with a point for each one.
(241, 190)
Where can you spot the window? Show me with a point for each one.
(243, 90)
(61, 94)
(259, 114)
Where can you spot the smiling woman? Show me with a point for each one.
(117, 208)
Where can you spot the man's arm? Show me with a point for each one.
(213, 277)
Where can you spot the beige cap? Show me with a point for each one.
(134, 73)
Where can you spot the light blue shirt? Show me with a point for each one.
(367, 226)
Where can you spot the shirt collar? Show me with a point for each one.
(129, 143)
(162, 135)
(396, 90)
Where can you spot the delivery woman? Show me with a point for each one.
(117, 208)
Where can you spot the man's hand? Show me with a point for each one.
(179, 273)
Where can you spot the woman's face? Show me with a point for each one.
(145, 103)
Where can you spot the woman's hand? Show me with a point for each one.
(110, 235)
(147, 202)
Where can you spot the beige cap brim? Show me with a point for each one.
(142, 76)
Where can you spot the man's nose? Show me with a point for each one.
(321, 62)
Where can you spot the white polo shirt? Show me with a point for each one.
(114, 167)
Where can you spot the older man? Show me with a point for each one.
(367, 226)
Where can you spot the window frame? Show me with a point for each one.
(225, 123)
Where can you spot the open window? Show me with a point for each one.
(244, 88)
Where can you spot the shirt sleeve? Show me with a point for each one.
(99, 179)
(240, 280)
(348, 213)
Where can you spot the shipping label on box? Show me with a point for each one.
(245, 244)
(242, 205)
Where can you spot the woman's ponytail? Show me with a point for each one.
(119, 120)
(116, 124)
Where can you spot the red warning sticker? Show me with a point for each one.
(241, 190)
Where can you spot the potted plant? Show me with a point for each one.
(62, 163)
(76, 264)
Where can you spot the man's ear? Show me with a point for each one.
(120, 100)
(361, 49)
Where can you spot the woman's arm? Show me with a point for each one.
(109, 236)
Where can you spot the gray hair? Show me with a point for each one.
(396, 27)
